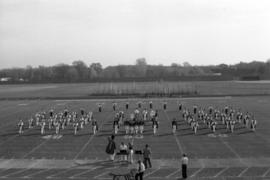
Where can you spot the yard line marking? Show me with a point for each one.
(16, 172)
(29, 175)
(245, 170)
(175, 137)
(172, 173)
(89, 140)
(264, 175)
(102, 174)
(196, 172)
(152, 172)
(220, 172)
(34, 149)
(88, 170)
(61, 171)
(233, 151)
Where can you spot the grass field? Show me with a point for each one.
(86, 90)
(241, 155)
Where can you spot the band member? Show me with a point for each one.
(164, 105)
(50, 123)
(57, 127)
(116, 126)
(195, 109)
(31, 123)
(127, 104)
(246, 119)
(150, 104)
(114, 106)
(232, 124)
(136, 126)
(239, 116)
(131, 127)
(121, 117)
(226, 110)
(155, 125)
(94, 126)
(195, 127)
(139, 104)
(99, 107)
(20, 125)
(126, 124)
(76, 126)
(82, 123)
(174, 126)
(180, 107)
(51, 113)
(210, 109)
(141, 127)
(227, 122)
(82, 111)
(145, 114)
(65, 112)
(213, 125)
(37, 119)
(43, 123)
(253, 124)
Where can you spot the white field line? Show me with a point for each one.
(102, 174)
(35, 173)
(34, 149)
(173, 173)
(152, 172)
(245, 170)
(266, 172)
(55, 174)
(90, 139)
(19, 171)
(220, 172)
(88, 170)
(175, 137)
(196, 172)
(16, 172)
(233, 151)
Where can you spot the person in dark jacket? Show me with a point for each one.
(111, 147)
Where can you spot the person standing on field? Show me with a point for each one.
(111, 147)
(140, 171)
(146, 156)
(184, 162)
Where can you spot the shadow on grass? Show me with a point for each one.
(9, 134)
(245, 132)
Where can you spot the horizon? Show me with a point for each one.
(203, 33)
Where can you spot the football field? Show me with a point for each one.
(243, 154)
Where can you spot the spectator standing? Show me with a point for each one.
(141, 169)
(110, 149)
(184, 162)
(147, 156)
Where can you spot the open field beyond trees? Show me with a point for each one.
(135, 89)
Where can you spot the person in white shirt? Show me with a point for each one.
(184, 162)
(141, 169)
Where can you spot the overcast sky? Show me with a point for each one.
(202, 32)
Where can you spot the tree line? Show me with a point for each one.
(79, 71)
